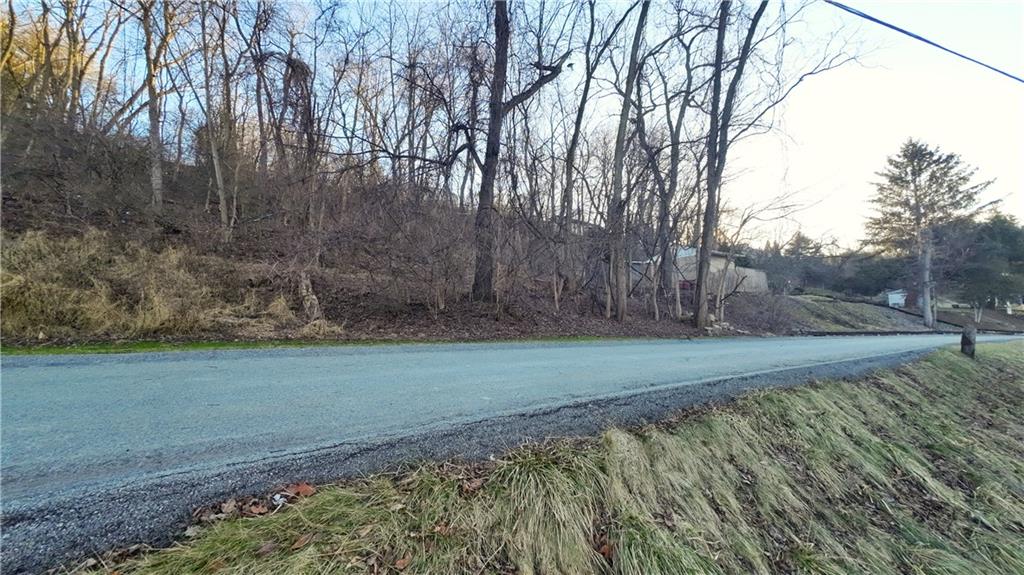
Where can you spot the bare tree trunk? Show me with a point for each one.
(483, 276)
(260, 23)
(668, 232)
(607, 293)
(710, 224)
(218, 175)
(720, 296)
(617, 265)
(213, 134)
(8, 42)
(678, 299)
(310, 303)
(655, 283)
(927, 251)
(475, 79)
(156, 170)
(154, 54)
(179, 136)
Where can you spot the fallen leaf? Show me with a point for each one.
(472, 485)
(402, 563)
(302, 541)
(266, 549)
(365, 531)
(257, 509)
(606, 551)
(302, 489)
(442, 529)
(192, 531)
(397, 507)
(228, 507)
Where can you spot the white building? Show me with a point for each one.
(896, 298)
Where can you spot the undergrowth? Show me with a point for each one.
(917, 470)
(93, 287)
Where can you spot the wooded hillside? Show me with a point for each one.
(428, 153)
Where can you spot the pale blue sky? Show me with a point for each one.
(836, 131)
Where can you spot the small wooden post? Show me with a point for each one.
(967, 341)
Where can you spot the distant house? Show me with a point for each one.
(737, 278)
(896, 298)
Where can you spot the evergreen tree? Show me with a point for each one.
(921, 188)
(995, 269)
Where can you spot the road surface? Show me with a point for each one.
(108, 450)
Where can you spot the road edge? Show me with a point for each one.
(156, 512)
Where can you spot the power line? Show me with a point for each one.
(856, 12)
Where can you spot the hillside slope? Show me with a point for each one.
(813, 314)
(96, 288)
(996, 320)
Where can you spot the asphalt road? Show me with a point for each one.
(108, 450)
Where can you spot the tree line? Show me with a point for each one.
(930, 232)
(461, 147)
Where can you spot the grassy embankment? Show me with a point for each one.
(916, 470)
(816, 313)
(91, 288)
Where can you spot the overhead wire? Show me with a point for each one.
(871, 18)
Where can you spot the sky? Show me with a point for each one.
(837, 129)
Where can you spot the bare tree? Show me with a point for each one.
(156, 40)
(718, 146)
(483, 276)
(591, 61)
(618, 280)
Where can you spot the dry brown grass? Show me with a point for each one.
(58, 288)
(93, 287)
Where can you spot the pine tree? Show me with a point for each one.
(995, 269)
(921, 188)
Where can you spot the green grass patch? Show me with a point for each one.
(170, 346)
(211, 345)
(915, 470)
(151, 346)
